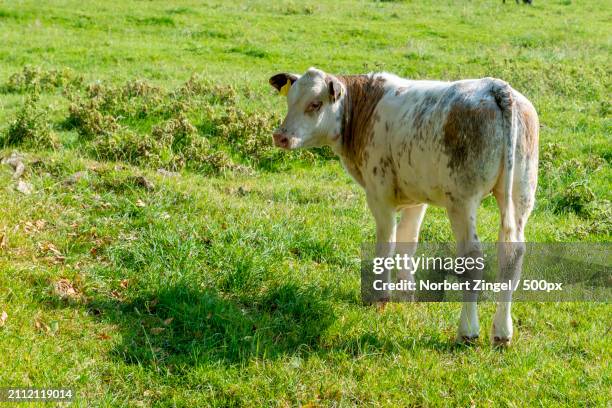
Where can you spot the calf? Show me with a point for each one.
(413, 143)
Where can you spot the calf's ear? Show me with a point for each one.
(279, 81)
(334, 87)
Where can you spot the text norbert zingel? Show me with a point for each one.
(426, 285)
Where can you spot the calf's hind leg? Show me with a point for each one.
(510, 253)
(463, 222)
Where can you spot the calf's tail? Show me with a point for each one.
(502, 92)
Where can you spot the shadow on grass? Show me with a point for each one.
(180, 325)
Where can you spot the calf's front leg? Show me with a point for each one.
(384, 215)
(407, 236)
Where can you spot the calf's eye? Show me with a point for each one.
(314, 106)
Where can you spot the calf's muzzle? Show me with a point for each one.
(280, 139)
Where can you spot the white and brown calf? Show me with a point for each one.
(413, 143)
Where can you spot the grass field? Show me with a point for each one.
(231, 278)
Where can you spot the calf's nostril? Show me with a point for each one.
(280, 139)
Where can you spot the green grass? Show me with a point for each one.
(235, 282)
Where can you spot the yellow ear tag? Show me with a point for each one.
(285, 88)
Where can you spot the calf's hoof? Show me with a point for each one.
(501, 334)
(467, 340)
(501, 342)
(381, 305)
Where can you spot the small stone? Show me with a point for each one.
(24, 187)
(167, 173)
(15, 160)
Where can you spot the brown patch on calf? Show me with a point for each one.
(363, 92)
(465, 131)
(528, 141)
(398, 194)
(384, 165)
(388, 164)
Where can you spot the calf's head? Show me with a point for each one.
(314, 115)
